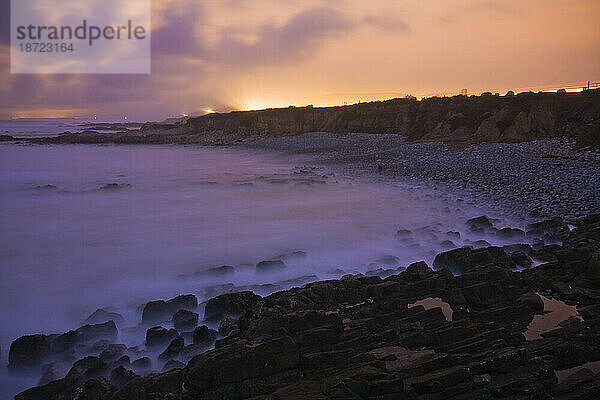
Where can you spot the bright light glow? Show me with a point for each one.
(208, 111)
(257, 106)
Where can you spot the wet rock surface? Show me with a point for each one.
(230, 304)
(185, 320)
(365, 337)
(160, 310)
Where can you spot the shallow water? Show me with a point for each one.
(555, 312)
(593, 366)
(89, 226)
(41, 127)
(435, 302)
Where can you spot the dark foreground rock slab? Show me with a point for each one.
(359, 339)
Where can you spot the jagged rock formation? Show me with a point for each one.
(365, 338)
(459, 119)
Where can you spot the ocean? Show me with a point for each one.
(106, 226)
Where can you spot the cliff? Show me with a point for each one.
(458, 119)
(489, 118)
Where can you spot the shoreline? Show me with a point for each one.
(542, 179)
(383, 358)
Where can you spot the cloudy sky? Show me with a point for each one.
(246, 54)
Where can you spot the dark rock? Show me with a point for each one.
(101, 316)
(160, 310)
(155, 311)
(93, 389)
(192, 350)
(65, 343)
(45, 187)
(50, 372)
(204, 336)
(510, 233)
(227, 325)
(480, 243)
(183, 302)
(574, 382)
(521, 259)
(552, 229)
(58, 389)
(142, 364)
(206, 371)
(533, 301)
(546, 253)
(172, 364)
(115, 186)
(299, 281)
(270, 266)
(404, 234)
(120, 376)
(480, 224)
(295, 255)
(87, 368)
(173, 350)
(441, 380)
(112, 353)
(97, 347)
(159, 337)
(417, 271)
(352, 276)
(123, 361)
(185, 320)
(232, 304)
(93, 332)
(466, 258)
(518, 248)
(381, 272)
(28, 351)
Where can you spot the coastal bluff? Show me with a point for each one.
(462, 120)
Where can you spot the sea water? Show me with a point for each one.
(84, 227)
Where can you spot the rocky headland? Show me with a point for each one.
(460, 120)
(513, 322)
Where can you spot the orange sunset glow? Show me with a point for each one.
(231, 55)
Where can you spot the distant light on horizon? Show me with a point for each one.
(259, 106)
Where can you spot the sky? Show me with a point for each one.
(224, 55)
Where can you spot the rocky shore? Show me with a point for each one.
(513, 322)
(519, 321)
